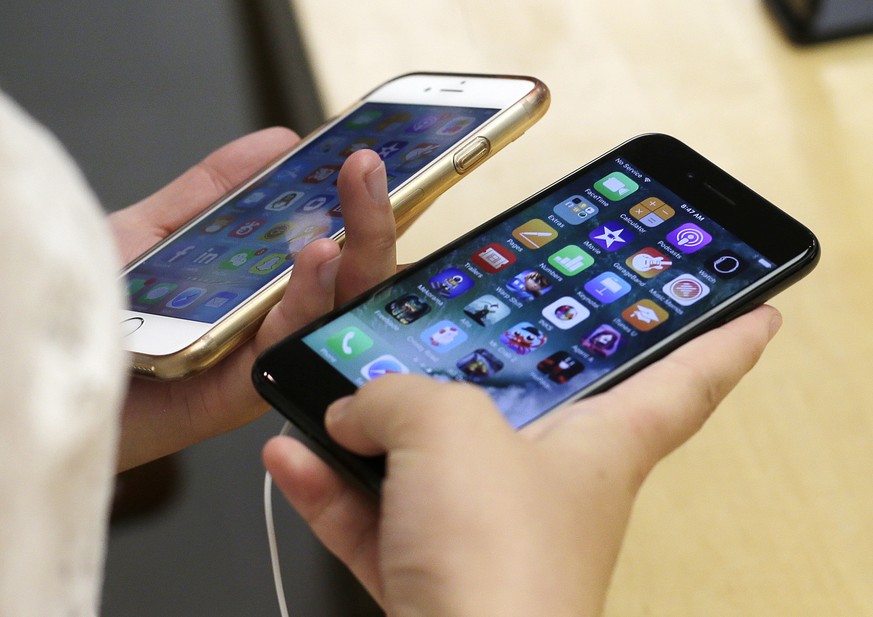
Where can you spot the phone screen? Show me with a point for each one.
(550, 300)
(222, 259)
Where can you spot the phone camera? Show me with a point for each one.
(690, 175)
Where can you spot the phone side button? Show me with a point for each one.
(471, 154)
(131, 325)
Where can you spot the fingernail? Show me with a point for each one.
(377, 183)
(327, 274)
(775, 324)
(336, 410)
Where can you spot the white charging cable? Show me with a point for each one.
(271, 534)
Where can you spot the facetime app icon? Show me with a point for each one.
(616, 186)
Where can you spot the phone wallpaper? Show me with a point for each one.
(236, 249)
(553, 297)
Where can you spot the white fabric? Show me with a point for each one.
(61, 376)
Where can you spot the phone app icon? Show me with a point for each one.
(523, 338)
(493, 258)
(217, 224)
(321, 174)
(408, 308)
(357, 144)
(394, 121)
(247, 228)
(603, 341)
(689, 238)
(316, 203)
(616, 186)
(390, 148)
(157, 293)
(529, 285)
(652, 212)
(649, 262)
(186, 298)
(560, 367)
(277, 232)
(611, 236)
(607, 287)
(349, 342)
(686, 289)
(451, 283)
(486, 310)
(534, 234)
(283, 201)
(565, 312)
(726, 264)
(269, 263)
(645, 315)
(456, 125)
(443, 336)
(363, 118)
(571, 260)
(220, 299)
(576, 210)
(237, 260)
(479, 365)
(381, 366)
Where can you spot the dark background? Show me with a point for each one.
(138, 93)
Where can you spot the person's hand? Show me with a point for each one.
(161, 418)
(476, 519)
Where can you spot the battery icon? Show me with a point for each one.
(765, 263)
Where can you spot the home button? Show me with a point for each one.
(131, 325)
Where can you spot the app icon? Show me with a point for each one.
(316, 203)
(172, 256)
(363, 118)
(390, 148)
(220, 299)
(186, 298)
(726, 264)
(456, 125)
(327, 144)
(534, 234)
(486, 310)
(419, 152)
(237, 260)
(217, 224)
(381, 366)
(645, 315)
(607, 287)
(156, 293)
(269, 263)
(251, 200)
(321, 174)
(277, 231)
(652, 212)
(425, 123)
(611, 236)
(616, 186)
(603, 341)
(528, 285)
(443, 336)
(575, 210)
(283, 201)
(571, 260)
(689, 238)
(393, 121)
(247, 228)
(523, 338)
(135, 284)
(479, 365)
(209, 255)
(305, 236)
(451, 283)
(565, 312)
(686, 289)
(349, 342)
(493, 258)
(649, 262)
(408, 308)
(560, 367)
(358, 144)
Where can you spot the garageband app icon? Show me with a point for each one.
(486, 310)
(560, 367)
(649, 262)
(493, 258)
(534, 234)
(565, 312)
(651, 212)
(408, 308)
(451, 283)
(603, 341)
(611, 236)
(479, 365)
(443, 336)
(615, 186)
(575, 210)
(726, 264)
(381, 366)
(529, 285)
(645, 315)
(689, 238)
(523, 338)
(686, 289)
(607, 287)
